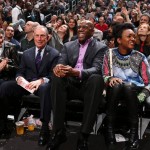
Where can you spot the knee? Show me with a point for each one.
(45, 87)
(96, 79)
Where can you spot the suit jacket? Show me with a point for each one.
(93, 58)
(27, 68)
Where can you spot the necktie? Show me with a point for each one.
(38, 60)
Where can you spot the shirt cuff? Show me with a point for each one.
(46, 80)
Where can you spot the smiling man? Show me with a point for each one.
(36, 67)
(78, 74)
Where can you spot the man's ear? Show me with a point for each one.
(49, 37)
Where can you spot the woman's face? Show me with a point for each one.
(127, 41)
(134, 13)
(71, 23)
(143, 31)
(62, 28)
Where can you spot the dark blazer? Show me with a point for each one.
(27, 68)
(93, 59)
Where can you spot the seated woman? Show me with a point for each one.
(128, 75)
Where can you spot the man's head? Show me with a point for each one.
(1, 37)
(21, 3)
(40, 36)
(145, 18)
(28, 28)
(118, 18)
(85, 31)
(9, 32)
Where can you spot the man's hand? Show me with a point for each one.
(35, 84)
(65, 71)
(3, 64)
(19, 80)
(60, 70)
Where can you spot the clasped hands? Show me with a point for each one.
(65, 71)
(33, 85)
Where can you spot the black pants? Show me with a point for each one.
(11, 92)
(127, 93)
(90, 91)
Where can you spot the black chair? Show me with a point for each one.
(30, 105)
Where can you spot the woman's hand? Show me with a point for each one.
(114, 81)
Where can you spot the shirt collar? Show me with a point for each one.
(86, 42)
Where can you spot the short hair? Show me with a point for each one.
(147, 15)
(41, 26)
(118, 30)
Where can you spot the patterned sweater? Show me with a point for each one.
(132, 67)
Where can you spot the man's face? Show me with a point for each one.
(28, 27)
(40, 38)
(85, 31)
(144, 19)
(1, 39)
(9, 33)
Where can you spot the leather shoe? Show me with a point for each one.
(56, 140)
(132, 145)
(110, 136)
(44, 135)
(43, 138)
(82, 144)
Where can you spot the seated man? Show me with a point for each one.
(8, 66)
(36, 67)
(78, 75)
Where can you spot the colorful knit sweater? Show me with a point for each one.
(132, 68)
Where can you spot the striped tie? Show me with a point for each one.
(38, 60)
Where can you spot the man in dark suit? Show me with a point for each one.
(36, 67)
(78, 74)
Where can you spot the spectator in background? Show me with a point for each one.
(143, 40)
(98, 34)
(57, 39)
(145, 18)
(101, 25)
(72, 24)
(28, 41)
(9, 36)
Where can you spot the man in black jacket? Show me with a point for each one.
(78, 74)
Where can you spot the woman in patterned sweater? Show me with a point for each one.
(130, 77)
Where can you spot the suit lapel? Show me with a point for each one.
(32, 57)
(89, 48)
(75, 53)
